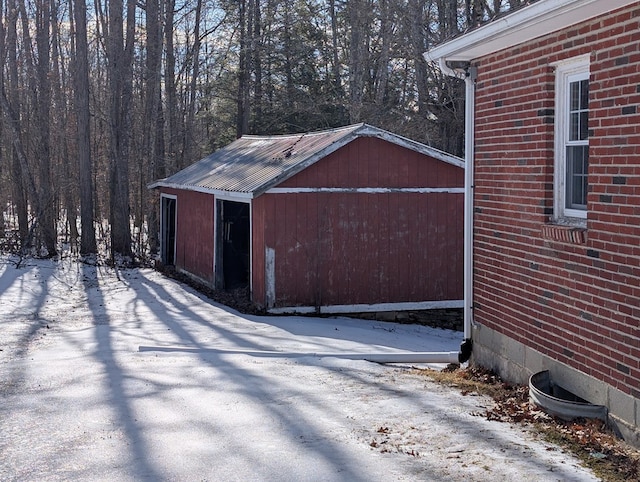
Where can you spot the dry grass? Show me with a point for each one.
(591, 441)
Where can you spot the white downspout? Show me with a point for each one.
(469, 73)
(445, 69)
(469, 151)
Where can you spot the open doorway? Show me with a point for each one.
(168, 230)
(232, 255)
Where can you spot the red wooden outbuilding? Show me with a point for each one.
(345, 220)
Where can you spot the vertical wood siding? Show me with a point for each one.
(576, 299)
(194, 233)
(352, 248)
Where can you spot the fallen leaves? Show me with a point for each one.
(590, 440)
(389, 442)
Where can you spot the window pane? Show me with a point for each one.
(574, 96)
(584, 125)
(576, 180)
(574, 124)
(579, 110)
(584, 95)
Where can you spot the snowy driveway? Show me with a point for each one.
(207, 399)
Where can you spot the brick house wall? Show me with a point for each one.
(568, 293)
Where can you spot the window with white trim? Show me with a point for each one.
(571, 140)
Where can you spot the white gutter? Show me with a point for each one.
(444, 68)
(523, 25)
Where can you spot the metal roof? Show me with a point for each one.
(251, 165)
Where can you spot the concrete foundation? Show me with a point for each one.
(515, 362)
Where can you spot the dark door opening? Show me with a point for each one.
(168, 231)
(233, 245)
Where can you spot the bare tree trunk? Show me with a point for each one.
(358, 13)
(66, 184)
(46, 213)
(153, 145)
(19, 192)
(382, 73)
(195, 72)
(20, 153)
(81, 81)
(256, 60)
(170, 88)
(419, 45)
(120, 68)
(337, 84)
(242, 118)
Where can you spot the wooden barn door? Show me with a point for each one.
(232, 238)
(168, 230)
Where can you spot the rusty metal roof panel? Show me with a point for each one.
(252, 164)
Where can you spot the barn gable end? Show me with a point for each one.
(371, 223)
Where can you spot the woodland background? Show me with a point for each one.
(99, 98)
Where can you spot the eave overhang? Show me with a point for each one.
(528, 23)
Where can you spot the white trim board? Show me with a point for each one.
(363, 308)
(365, 190)
(228, 195)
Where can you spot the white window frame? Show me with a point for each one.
(567, 71)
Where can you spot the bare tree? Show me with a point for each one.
(153, 130)
(46, 214)
(10, 82)
(170, 94)
(120, 79)
(359, 17)
(242, 119)
(81, 84)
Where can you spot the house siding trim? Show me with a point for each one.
(365, 190)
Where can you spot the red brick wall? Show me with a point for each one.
(578, 302)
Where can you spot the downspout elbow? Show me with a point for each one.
(465, 350)
(445, 69)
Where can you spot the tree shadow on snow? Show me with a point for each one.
(180, 319)
(117, 396)
(196, 335)
(29, 325)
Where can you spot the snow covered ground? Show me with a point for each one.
(127, 375)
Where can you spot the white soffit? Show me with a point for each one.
(533, 21)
